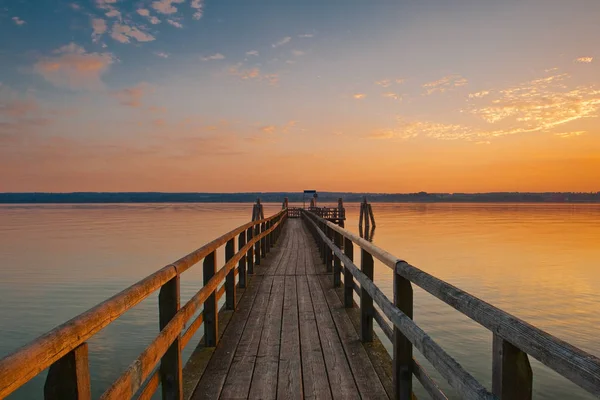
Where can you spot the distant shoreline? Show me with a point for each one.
(295, 197)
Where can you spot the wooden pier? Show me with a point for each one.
(297, 322)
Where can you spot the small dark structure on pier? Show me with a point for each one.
(296, 321)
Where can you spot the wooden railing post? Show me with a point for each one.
(337, 263)
(268, 238)
(211, 314)
(402, 363)
(170, 364)
(511, 372)
(230, 289)
(348, 277)
(250, 255)
(257, 245)
(242, 264)
(69, 377)
(328, 253)
(263, 241)
(366, 301)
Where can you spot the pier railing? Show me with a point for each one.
(64, 350)
(513, 338)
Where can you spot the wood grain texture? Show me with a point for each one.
(69, 377)
(289, 381)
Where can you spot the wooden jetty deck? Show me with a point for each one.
(290, 337)
(296, 322)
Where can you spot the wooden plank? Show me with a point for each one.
(340, 374)
(289, 381)
(511, 372)
(212, 384)
(264, 379)
(365, 377)
(170, 363)
(314, 375)
(69, 377)
(239, 377)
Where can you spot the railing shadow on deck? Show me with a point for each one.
(64, 349)
(513, 338)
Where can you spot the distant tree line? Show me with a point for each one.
(277, 197)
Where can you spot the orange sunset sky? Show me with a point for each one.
(230, 96)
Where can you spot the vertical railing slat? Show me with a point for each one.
(348, 277)
(170, 364)
(69, 377)
(402, 363)
(230, 289)
(211, 315)
(512, 377)
(250, 255)
(366, 301)
(243, 272)
(257, 245)
(337, 263)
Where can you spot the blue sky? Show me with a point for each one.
(117, 95)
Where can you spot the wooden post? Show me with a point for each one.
(69, 377)
(242, 264)
(371, 215)
(337, 263)
(348, 277)
(511, 372)
(257, 245)
(360, 219)
(170, 364)
(263, 241)
(328, 253)
(268, 238)
(250, 256)
(230, 289)
(211, 314)
(366, 302)
(402, 364)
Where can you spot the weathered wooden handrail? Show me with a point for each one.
(64, 348)
(514, 338)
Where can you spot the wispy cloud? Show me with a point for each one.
(445, 84)
(252, 53)
(198, 6)
(584, 60)
(252, 74)
(113, 13)
(479, 95)
(146, 13)
(133, 96)
(71, 66)
(384, 83)
(175, 23)
(570, 134)
(282, 42)
(306, 35)
(166, 6)
(18, 21)
(217, 56)
(359, 96)
(269, 129)
(392, 95)
(123, 33)
(298, 53)
(161, 54)
(99, 28)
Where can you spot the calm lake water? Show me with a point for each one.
(539, 262)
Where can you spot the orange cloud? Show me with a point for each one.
(359, 96)
(445, 84)
(71, 66)
(252, 73)
(123, 33)
(133, 96)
